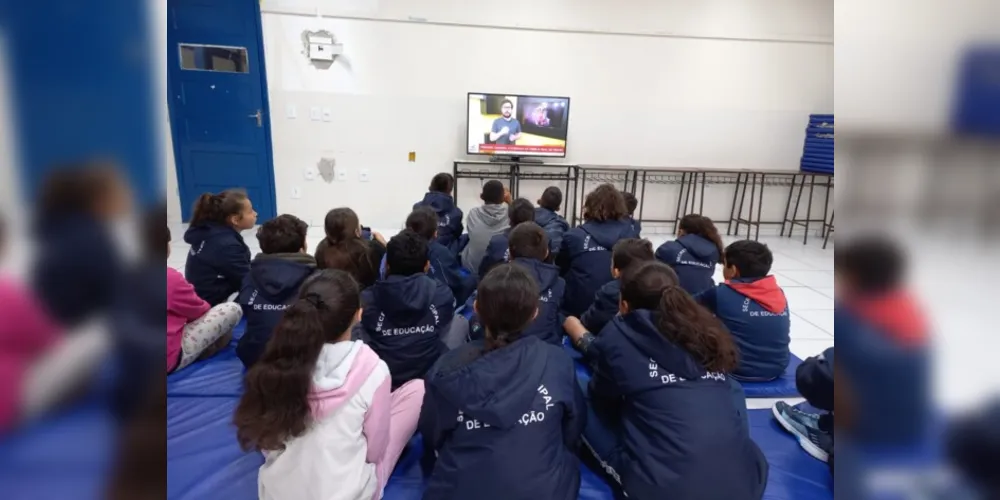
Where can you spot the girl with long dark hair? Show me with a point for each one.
(345, 249)
(318, 405)
(664, 417)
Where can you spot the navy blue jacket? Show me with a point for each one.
(604, 308)
(268, 289)
(217, 262)
(446, 268)
(756, 313)
(554, 225)
(679, 429)
(548, 324)
(693, 258)
(504, 423)
(497, 252)
(585, 260)
(404, 318)
(78, 270)
(814, 380)
(449, 217)
(889, 378)
(636, 226)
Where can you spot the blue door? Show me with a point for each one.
(217, 94)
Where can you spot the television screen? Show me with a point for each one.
(517, 125)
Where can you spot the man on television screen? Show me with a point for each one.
(506, 129)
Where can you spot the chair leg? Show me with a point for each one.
(829, 229)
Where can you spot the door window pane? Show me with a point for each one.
(213, 58)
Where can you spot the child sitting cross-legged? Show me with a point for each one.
(318, 405)
(409, 316)
(502, 417)
(754, 309)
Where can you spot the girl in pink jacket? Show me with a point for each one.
(195, 330)
(318, 405)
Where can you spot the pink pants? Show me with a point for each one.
(404, 413)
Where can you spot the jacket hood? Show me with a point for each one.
(765, 291)
(700, 247)
(897, 313)
(608, 233)
(405, 296)
(280, 275)
(341, 369)
(195, 235)
(440, 202)
(544, 216)
(639, 328)
(491, 388)
(489, 216)
(545, 274)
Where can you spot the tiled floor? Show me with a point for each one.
(805, 272)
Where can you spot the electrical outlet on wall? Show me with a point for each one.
(363, 175)
(296, 192)
(315, 114)
(291, 112)
(342, 174)
(327, 114)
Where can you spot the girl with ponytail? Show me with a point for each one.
(318, 404)
(665, 416)
(502, 416)
(345, 249)
(694, 254)
(219, 259)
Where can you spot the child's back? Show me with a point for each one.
(754, 309)
(439, 199)
(660, 378)
(553, 223)
(585, 254)
(273, 282)
(694, 254)
(528, 248)
(406, 314)
(503, 415)
(484, 222)
(756, 312)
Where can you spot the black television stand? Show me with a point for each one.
(515, 159)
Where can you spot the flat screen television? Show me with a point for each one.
(517, 125)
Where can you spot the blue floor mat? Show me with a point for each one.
(218, 376)
(67, 455)
(793, 474)
(203, 459)
(783, 386)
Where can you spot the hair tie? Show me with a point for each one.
(315, 299)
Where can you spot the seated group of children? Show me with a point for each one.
(352, 350)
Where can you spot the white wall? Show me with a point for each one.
(711, 84)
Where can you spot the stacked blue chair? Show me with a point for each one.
(817, 153)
